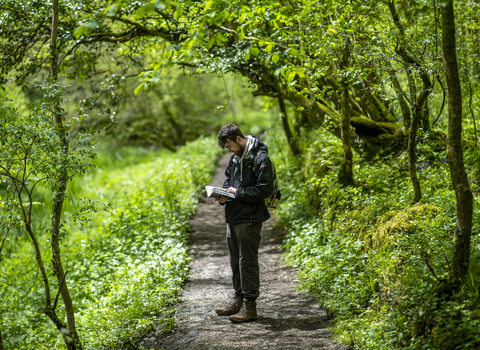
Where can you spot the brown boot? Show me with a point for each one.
(249, 313)
(233, 306)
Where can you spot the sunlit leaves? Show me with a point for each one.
(221, 38)
(138, 89)
(210, 43)
(241, 17)
(241, 34)
(179, 10)
(145, 10)
(199, 37)
(209, 4)
(86, 28)
(292, 51)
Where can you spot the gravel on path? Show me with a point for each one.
(288, 319)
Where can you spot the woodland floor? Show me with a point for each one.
(288, 319)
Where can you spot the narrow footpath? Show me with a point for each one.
(287, 319)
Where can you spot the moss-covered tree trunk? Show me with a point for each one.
(463, 229)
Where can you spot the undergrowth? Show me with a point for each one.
(126, 266)
(377, 264)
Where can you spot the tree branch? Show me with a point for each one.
(59, 290)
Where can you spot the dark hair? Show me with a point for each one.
(229, 132)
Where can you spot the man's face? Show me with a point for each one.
(235, 147)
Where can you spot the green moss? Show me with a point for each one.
(396, 223)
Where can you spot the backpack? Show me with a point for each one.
(272, 200)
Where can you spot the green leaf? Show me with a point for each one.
(145, 10)
(275, 58)
(138, 89)
(93, 24)
(88, 15)
(199, 37)
(209, 4)
(269, 48)
(78, 32)
(221, 37)
(241, 35)
(292, 51)
(111, 10)
(254, 51)
(225, 14)
(179, 10)
(241, 18)
(86, 28)
(211, 42)
(159, 5)
(246, 57)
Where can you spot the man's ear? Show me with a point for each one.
(238, 139)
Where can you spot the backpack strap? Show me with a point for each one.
(256, 158)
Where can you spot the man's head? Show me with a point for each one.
(231, 138)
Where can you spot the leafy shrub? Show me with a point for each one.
(126, 265)
(375, 263)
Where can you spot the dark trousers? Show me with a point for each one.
(243, 241)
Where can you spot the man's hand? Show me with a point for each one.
(232, 190)
(221, 199)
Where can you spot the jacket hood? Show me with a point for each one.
(257, 146)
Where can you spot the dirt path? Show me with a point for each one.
(287, 319)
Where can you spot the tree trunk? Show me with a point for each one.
(463, 229)
(291, 142)
(404, 107)
(412, 159)
(345, 175)
(71, 339)
(424, 116)
(419, 102)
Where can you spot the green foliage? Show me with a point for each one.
(12, 95)
(33, 154)
(126, 265)
(177, 108)
(377, 265)
(290, 50)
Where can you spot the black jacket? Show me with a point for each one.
(249, 204)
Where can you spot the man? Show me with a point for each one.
(249, 178)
